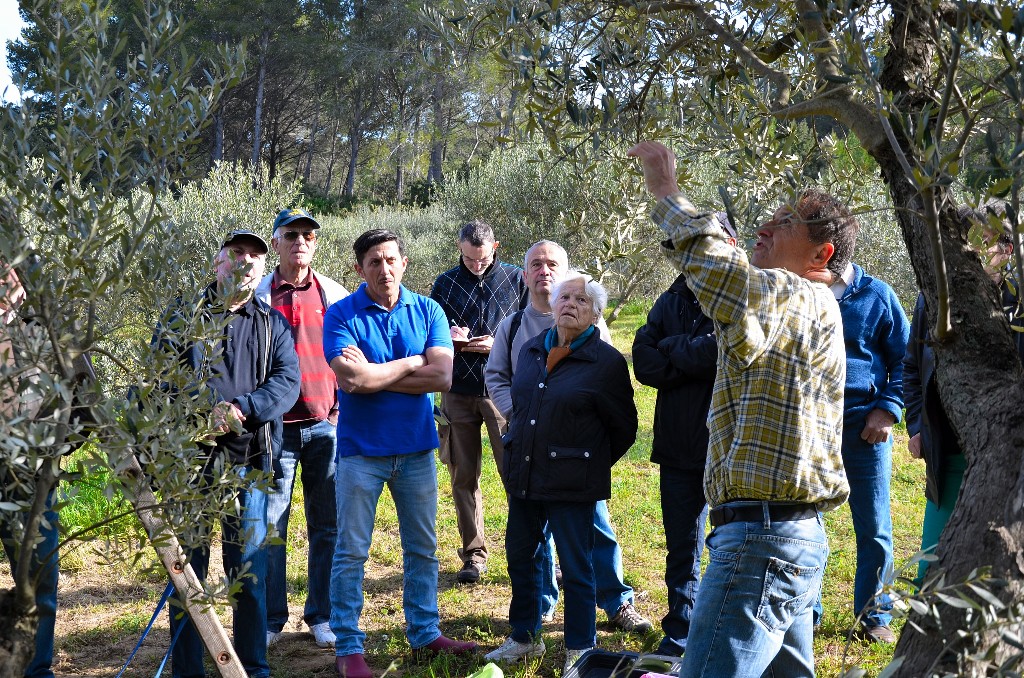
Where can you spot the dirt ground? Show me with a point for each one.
(103, 610)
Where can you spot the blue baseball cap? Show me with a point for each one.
(285, 217)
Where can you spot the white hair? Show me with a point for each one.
(591, 288)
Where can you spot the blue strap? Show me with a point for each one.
(159, 606)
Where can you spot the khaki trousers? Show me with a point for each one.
(463, 455)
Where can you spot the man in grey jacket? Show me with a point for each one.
(545, 264)
(303, 296)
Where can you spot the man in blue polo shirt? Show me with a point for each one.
(390, 349)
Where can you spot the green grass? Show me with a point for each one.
(480, 612)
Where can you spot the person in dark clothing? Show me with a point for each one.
(676, 352)
(476, 296)
(932, 437)
(573, 417)
(250, 386)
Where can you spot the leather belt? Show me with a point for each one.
(754, 513)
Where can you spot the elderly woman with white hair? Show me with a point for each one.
(572, 418)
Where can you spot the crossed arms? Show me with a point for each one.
(428, 372)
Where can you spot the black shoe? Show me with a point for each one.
(558, 576)
(470, 573)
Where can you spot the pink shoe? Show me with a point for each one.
(353, 666)
(443, 644)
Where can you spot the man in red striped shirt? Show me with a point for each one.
(303, 297)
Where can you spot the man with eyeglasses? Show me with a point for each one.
(476, 296)
(303, 297)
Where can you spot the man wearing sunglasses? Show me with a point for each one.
(303, 297)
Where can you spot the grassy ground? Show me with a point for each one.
(117, 612)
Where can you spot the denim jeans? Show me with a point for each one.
(44, 568)
(572, 525)
(311, 444)
(869, 472)
(412, 480)
(612, 590)
(243, 538)
(683, 513)
(753, 611)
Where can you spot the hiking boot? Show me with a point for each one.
(443, 644)
(629, 620)
(353, 666)
(571, 657)
(470, 573)
(323, 634)
(512, 650)
(875, 634)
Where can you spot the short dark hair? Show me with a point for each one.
(829, 220)
(477, 233)
(372, 238)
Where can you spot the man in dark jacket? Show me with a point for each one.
(250, 385)
(676, 352)
(476, 296)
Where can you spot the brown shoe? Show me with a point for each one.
(353, 666)
(443, 644)
(875, 634)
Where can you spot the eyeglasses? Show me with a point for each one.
(291, 236)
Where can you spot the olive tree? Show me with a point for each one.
(931, 91)
(99, 259)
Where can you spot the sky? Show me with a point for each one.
(10, 29)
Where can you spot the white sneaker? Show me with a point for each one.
(571, 657)
(273, 637)
(548, 617)
(323, 634)
(511, 650)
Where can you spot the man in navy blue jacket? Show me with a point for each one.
(251, 384)
(476, 296)
(676, 353)
(876, 330)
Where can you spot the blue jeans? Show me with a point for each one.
(412, 480)
(869, 472)
(683, 513)
(612, 590)
(752, 616)
(44, 567)
(312, 444)
(571, 524)
(243, 538)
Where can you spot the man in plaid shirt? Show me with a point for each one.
(476, 296)
(774, 457)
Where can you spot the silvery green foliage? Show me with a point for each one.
(230, 196)
(81, 169)
(429, 236)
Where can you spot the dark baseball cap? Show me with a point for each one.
(285, 217)
(246, 234)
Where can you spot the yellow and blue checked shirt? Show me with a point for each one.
(776, 413)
